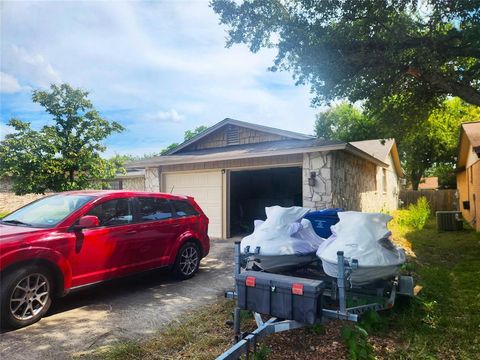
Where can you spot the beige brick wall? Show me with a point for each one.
(9, 201)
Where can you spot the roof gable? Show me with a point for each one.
(234, 132)
(381, 149)
(469, 136)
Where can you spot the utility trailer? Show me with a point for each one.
(303, 298)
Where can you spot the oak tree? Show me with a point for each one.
(413, 52)
(66, 153)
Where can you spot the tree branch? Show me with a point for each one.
(464, 91)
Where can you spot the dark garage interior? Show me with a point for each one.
(252, 190)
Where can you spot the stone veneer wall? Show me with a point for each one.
(354, 179)
(152, 179)
(134, 183)
(357, 184)
(319, 196)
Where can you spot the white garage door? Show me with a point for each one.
(206, 188)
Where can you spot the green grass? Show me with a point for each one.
(444, 320)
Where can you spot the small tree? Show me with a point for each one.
(189, 134)
(65, 155)
(345, 123)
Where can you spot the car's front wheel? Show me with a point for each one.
(187, 262)
(26, 295)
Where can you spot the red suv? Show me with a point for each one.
(68, 240)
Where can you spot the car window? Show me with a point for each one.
(113, 212)
(154, 209)
(48, 211)
(183, 208)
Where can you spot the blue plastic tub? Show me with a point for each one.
(322, 220)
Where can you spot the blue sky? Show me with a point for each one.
(159, 68)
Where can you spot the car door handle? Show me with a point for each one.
(130, 232)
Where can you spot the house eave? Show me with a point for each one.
(192, 159)
(228, 121)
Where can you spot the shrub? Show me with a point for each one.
(416, 215)
(356, 340)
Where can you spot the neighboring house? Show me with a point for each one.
(468, 173)
(134, 179)
(428, 183)
(234, 169)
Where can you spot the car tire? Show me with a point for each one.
(187, 261)
(25, 296)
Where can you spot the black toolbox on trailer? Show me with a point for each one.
(285, 297)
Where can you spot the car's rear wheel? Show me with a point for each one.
(187, 262)
(26, 295)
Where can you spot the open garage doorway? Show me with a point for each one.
(252, 190)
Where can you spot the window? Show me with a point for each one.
(384, 180)
(48, 211)
(183, 208)
(154, 209)
(113, 212)
(114, 185)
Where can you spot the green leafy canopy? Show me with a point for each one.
(189, 134)
(64, 155)
(427, 148)
(414, 53)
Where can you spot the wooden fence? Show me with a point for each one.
(438, 199)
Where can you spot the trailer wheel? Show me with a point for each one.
(187, 261)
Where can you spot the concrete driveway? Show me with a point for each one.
(129, 308)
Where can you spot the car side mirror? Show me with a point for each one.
(86, 222)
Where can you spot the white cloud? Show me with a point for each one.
(4, 130)
(31, 67)
(138, 57)
(166, 116)
(9, 84)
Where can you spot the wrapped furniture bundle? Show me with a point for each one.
(364, 237)
(284, 240)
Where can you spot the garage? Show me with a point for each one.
(252, 190)
(206, 188)
(235, 169)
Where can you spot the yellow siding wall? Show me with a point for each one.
(468, 184)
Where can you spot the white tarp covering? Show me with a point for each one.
(284, 232)
(362, 236)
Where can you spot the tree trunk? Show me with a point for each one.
(415, 184)
(415, 180)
